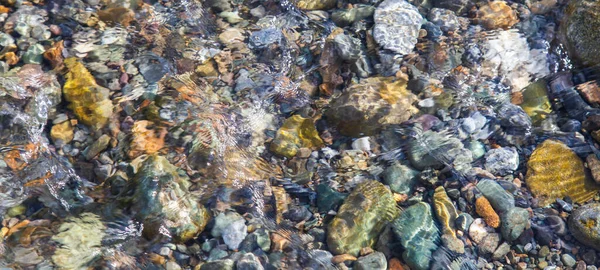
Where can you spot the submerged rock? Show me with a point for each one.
(79, 240)
(584, 224)
(497, 14)
(316, 4)
(514, 222)
(397, 25)
(535, 101)
(435, 149)
(160, 198)
(554, 171)
(295, 133)
(89, 101)
(579, 28)
(502, 161)
(445, 211)
(400, 178)
(366, 107)
(500, 199)
(361, 218)
(373, 261)
(418, 235)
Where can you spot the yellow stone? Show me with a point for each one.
(295, 133)
(445, 211)
(535, 101)
(62, 131)
(555, 171)
(207, 69)
(89, 101)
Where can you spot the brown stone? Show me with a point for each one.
(590, 91)
(497, 14)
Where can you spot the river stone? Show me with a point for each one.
(584, 224)
(463, 221)
(249, 262)
(502, 161)
(579, 29)
(234, 234)
(222, 221)
(434, 149)
(397, 25)
(328, 198)
(554, 171)
(418, 235)
(400, 178)
(445, 211)
(514, 222)
(226, 264)
(345, 17)
(500, 199)
(161, 199)
(365, 107)
(361, 218)
(373, 261)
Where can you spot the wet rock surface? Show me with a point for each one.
(299, 134)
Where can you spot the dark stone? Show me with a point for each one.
(557, 224)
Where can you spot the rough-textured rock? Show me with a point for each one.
(226, 264)
(485, 210)
(397, 25)
(79, 241)
(497, 14)
(316, 4)
(62, 131)
(444, 18)
(160, 198)
(434, 149)
(584, 224)
(295, 133)
(502, 161)
(445, 212)
(400, 178)
(146, 138)
(555, 171)
(579, 27)
(514, 222)
(418, 235)
(479, 231)
(249, 262)
(500, 199)
(366, 107)
(234, 234)
(373, 261)
(344, 17)
(361, 218)
(89, 101)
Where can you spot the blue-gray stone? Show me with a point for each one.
(226, 264)
(249, 262)
(500, 199)
(463, 221)
(502, 161)
(328, 199)
(418, 235)
(514, 222)
(373, 261)
(400, 178)
(152, 67)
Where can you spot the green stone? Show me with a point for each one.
(400, 178)
(418, 235)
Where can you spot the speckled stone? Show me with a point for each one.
(584, 224)
(397, 25)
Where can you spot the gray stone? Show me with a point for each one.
(500, 199)
(223, 220)
(234, 234)
(514, 222)
(463, 221)
(226, 264)
(568, 260)
(345, 17)
(397, 25)
(489, 243)
(445, 19)
(502, 161)
(400, 178)
(171, 265)
(347, 47)
(584, 225)
(6, 39)
(249, 262)
(98, 146)
(501, 251)
(373, 261)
